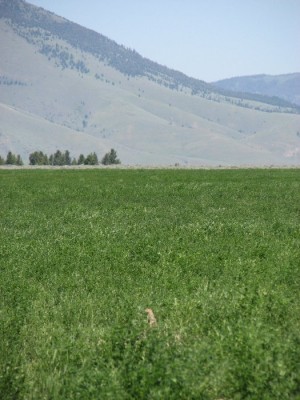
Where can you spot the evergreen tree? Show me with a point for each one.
(11, 159)
(67, 158)
(91, 159)
(19, 160)
(38, 158)
(110, 158)
(105, 160)
(2, 161)
(81, 159)
(58, 158)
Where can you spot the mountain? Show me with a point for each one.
(63, 86)
(286, 86)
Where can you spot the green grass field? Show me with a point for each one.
(215, 254)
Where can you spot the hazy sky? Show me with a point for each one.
(206, 39)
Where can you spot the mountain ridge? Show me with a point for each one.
(54, 94)
(284, 86)
(126, 60)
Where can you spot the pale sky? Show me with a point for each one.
(205, 39)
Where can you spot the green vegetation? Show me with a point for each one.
(59, 158)
(110, 158)
(11, 159)
(91, 159)
(63, 57)
(215, 254)
(63, 158)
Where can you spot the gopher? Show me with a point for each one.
(150, 317)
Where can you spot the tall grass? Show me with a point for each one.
(215, 254)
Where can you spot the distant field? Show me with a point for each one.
(215, 254)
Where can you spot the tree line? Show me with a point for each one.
(60, 158)
(11, 159)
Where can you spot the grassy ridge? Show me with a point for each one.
(214, 253)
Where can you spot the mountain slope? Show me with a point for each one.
(61, 87)
(285, 86)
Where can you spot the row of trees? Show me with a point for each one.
(64, 158)
(5, 80)
(11, 159)
(61, 158)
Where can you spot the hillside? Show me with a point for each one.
(286, 86)
(64, 86)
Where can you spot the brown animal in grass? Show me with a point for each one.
(151, 318)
